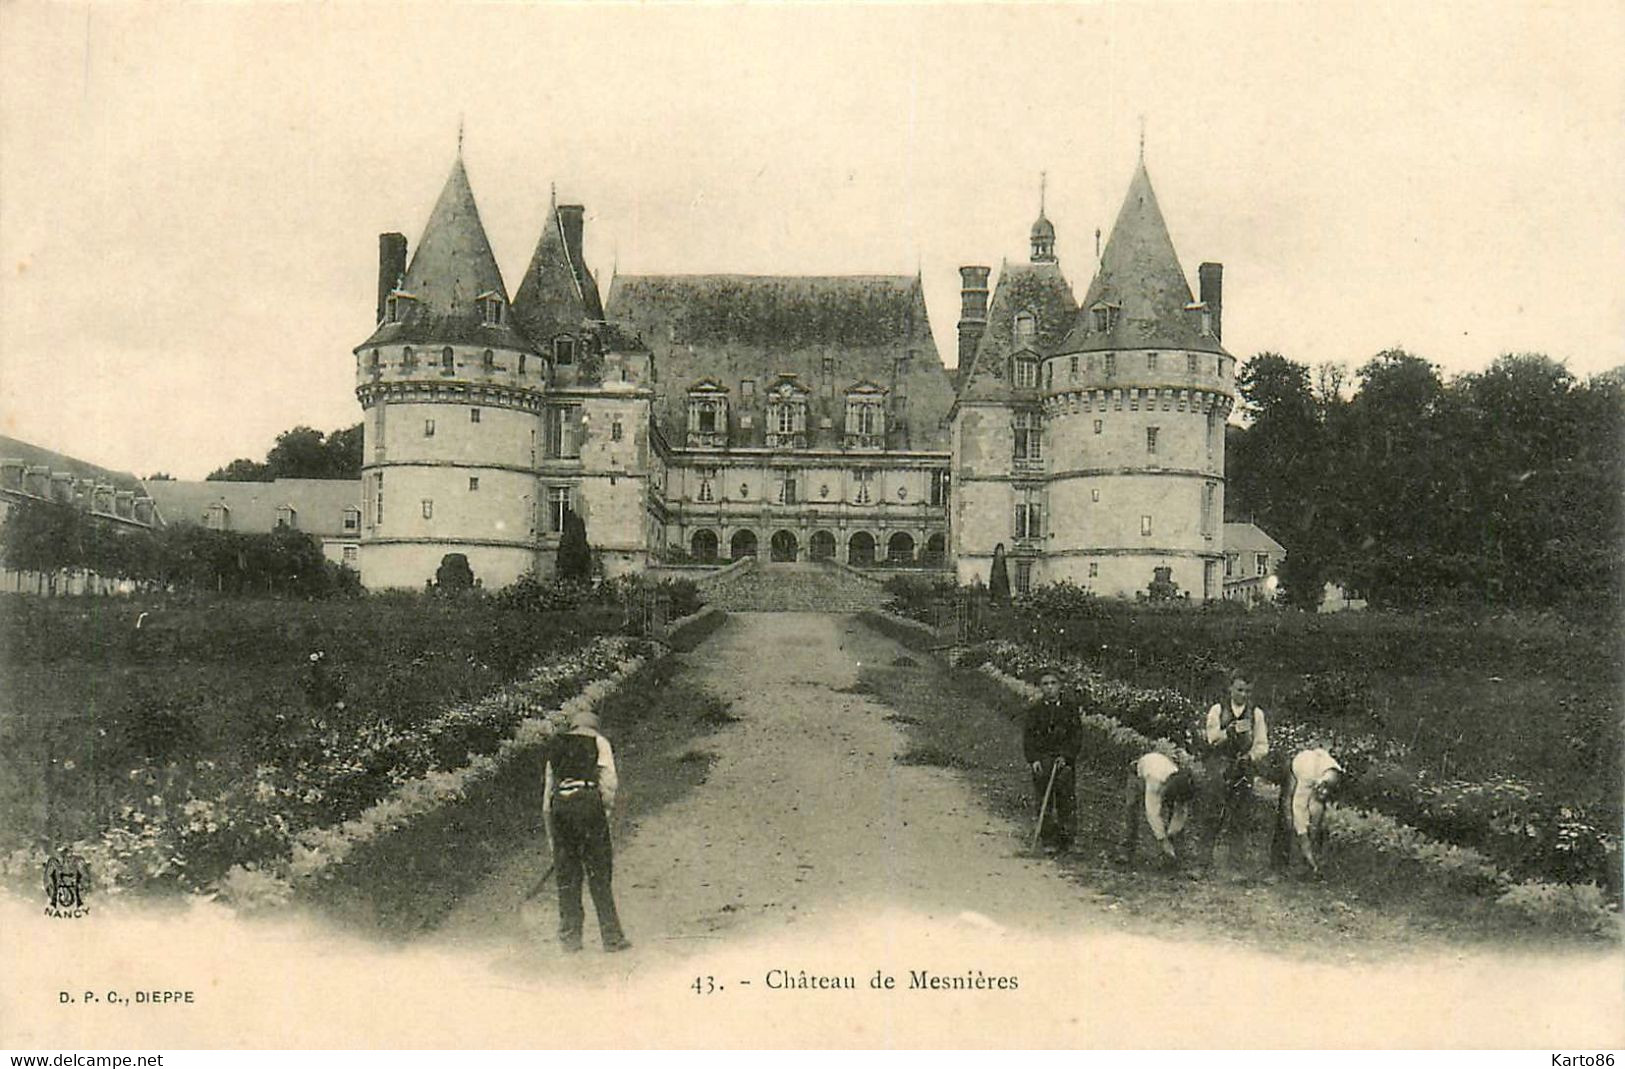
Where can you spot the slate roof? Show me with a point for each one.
(1039, 288)
(557, 294)
(37, 456)
(761, 327)
(450, 269)
(1140, 272)
(319, 503)
(1250, 538)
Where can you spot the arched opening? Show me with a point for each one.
(822, 545)
(703, 546)
(860, 549)
(742, 545)
(900, 548)
(783, 546)
(936, 549)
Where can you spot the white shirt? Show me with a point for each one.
(1154, 769)
(608, 782)
(1309, 769)
(1245, 717)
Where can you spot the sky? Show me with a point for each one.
(191, 196)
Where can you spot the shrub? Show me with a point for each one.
(454, 576)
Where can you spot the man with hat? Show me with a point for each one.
(578, 797)
(1051, 739)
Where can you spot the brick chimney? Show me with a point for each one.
(391, 266)
(570, 223)
(972, 312)
(1211, 278)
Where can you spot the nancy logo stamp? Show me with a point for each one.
(65, 886)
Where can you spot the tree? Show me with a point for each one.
(241, 470)
(998, 583)
(1283, 467)
(575, 556)
(302, 453)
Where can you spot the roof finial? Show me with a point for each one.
(553, 194)
(459, 134)
(1043, 183)
(1142, 137)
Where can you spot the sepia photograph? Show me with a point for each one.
(547, 526)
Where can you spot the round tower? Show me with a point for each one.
(451, 391)
(1135, 405)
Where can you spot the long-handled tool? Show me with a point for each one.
(541, 883)
(1044, 806)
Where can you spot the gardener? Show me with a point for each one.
(1237, 737)
(1158, 793)
(1300, 819)
(578, 797)
(1051, 739)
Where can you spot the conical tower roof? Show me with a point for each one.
(451, 269)
(1140, 276)
(557, 293)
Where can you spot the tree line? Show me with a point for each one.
(300, 453)
(51, 539)
(1501, 487)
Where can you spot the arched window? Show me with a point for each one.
(488, 360)
(703, 546)
(448, 360)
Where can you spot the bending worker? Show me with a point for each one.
(1300, 820)
(1159, 794)
(579, 795)
(1051, 739)
(1238, 741)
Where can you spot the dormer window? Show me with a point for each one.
(866, 417)
(488, 360)
(490, 309)
(564, 350)
(396, 306)
(1026, 329)
(409, 358)
(1105, 317)
(786, 416)
(1025, 374)
(707, 415)
(448, 361)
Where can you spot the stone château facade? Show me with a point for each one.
(709, 417)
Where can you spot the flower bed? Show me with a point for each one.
(1526, 834)
(189, 824)
(1582, 905)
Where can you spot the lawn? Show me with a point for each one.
(98, 714)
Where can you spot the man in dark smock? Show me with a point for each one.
(579, 795)
(1051, 739)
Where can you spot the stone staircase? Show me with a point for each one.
(799, 587)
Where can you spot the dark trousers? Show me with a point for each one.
(1284, 839)
(581, 846)
(1061, 818)
(1227, 803)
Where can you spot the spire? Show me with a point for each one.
(451, 270)
(1139, 295)
(1043, 232)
